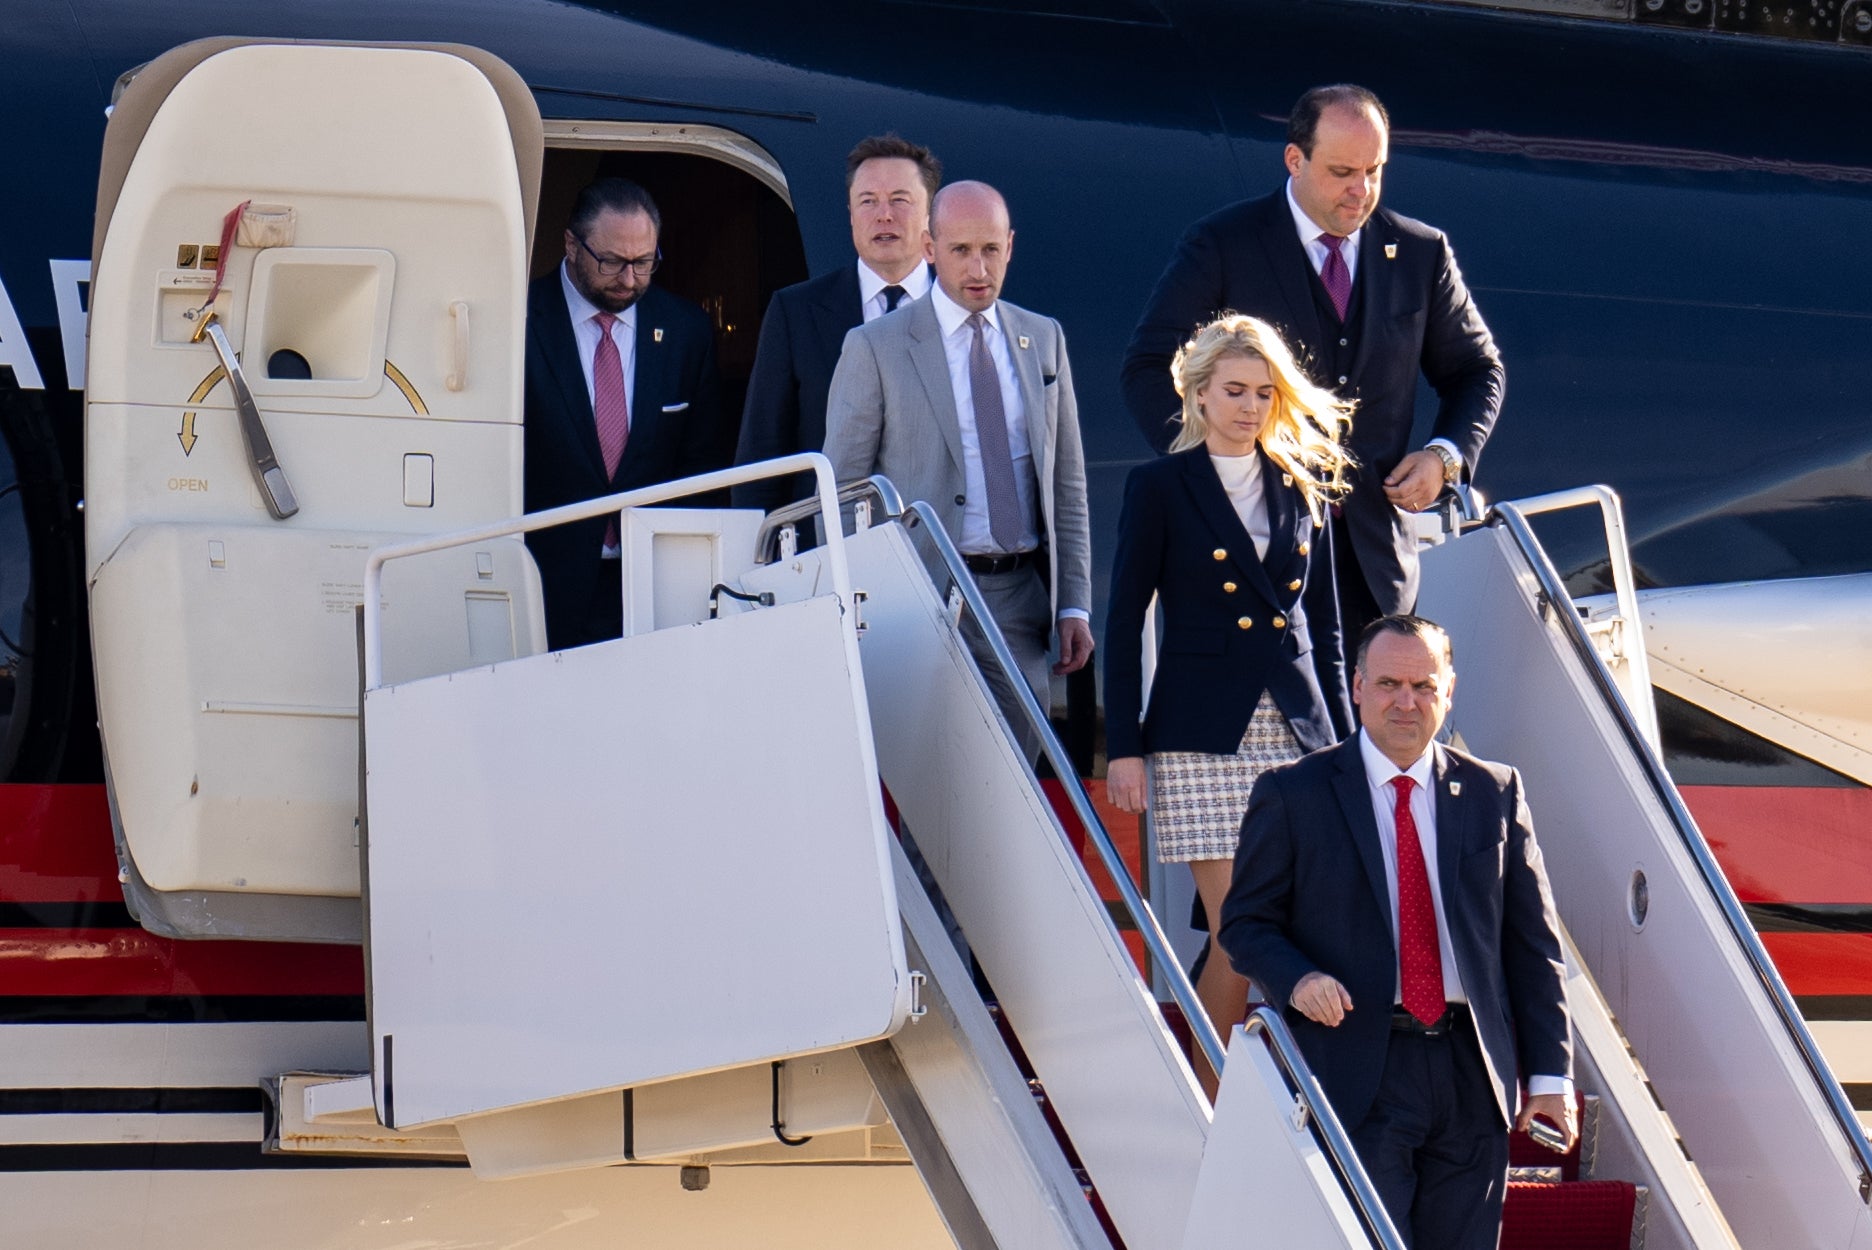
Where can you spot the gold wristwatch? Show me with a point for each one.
(1452, 463)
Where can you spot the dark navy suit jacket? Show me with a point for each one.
(1181, 539)
(800, 340)
(1309, 893)
(1413, 315)
(785, 411)
(675, 418)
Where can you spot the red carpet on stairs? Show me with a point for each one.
(1574, 1215)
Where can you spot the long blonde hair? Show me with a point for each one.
(1307, 425)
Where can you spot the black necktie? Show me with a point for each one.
(893, 295)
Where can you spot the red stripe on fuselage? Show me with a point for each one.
(1819, 964)
(113, 962)
(1783, 844)
(55, 847)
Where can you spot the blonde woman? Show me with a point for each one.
(1229, 532)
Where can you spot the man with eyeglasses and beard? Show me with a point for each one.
(621, 392)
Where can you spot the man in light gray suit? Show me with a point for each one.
(966, 401)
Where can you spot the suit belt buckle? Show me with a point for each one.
(982, 565)
(1403, 1021)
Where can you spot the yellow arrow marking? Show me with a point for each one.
(187, 434)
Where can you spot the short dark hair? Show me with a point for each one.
(1407, 626)
(1303, 122)
(618, 195)
(894, 147)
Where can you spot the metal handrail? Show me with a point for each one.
(1156, 943)
(826, 496)
(1510, 517)
(877, 486)
(1280, 1039)
(1624, 584)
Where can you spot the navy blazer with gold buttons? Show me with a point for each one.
(1234, 624)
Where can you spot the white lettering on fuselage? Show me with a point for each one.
(69, 278)
(14, 349)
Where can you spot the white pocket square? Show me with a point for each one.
(675, 407)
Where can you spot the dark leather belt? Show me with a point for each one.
(1454, 1014)
(979, 565)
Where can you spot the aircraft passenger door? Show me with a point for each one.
(307, 339)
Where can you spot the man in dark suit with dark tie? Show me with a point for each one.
(1369, 299)
(621, 392)
(1390, 893)
(889, 183)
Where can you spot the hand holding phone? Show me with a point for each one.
(1544, 1132)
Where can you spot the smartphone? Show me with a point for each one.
(1547, 1134)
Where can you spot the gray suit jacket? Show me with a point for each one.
(892, 411)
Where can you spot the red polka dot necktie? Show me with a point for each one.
(1335, 276)
(1420, 963)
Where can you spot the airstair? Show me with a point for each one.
(644, 902)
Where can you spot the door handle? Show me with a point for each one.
(265, 466)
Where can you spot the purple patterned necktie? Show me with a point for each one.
(1335, 275)
(610, 409)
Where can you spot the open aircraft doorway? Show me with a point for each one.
(730, 238)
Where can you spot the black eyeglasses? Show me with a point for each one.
(642, 266)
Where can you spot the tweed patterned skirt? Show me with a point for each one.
(1198, 800)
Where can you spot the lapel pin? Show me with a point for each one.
(1390, 251)
(1455, 789)
(1286, 479)
(656, 335)
(1025, 342)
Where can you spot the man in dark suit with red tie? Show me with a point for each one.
(621, 392)
(1390, 894)
(1369, 299)
(889, 183)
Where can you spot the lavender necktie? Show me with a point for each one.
(1335, 275)
(991, 437)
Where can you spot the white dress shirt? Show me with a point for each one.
(1309, 232)
(1379, 770)
(1241, 478)
(976, 539)
(916, 285)
(585, 331)
(1316, 251)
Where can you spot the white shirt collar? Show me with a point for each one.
(1381, 770)
(1309, 230)
(916, 283)
(951, 315)
(583, 310)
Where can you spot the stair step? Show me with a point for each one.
(1572, 1215)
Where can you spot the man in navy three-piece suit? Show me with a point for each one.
(1368, 300)
(1390, 894)
(621, 392)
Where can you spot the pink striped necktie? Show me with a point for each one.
(1420, 960)
(610, 406)
(1334, 274)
